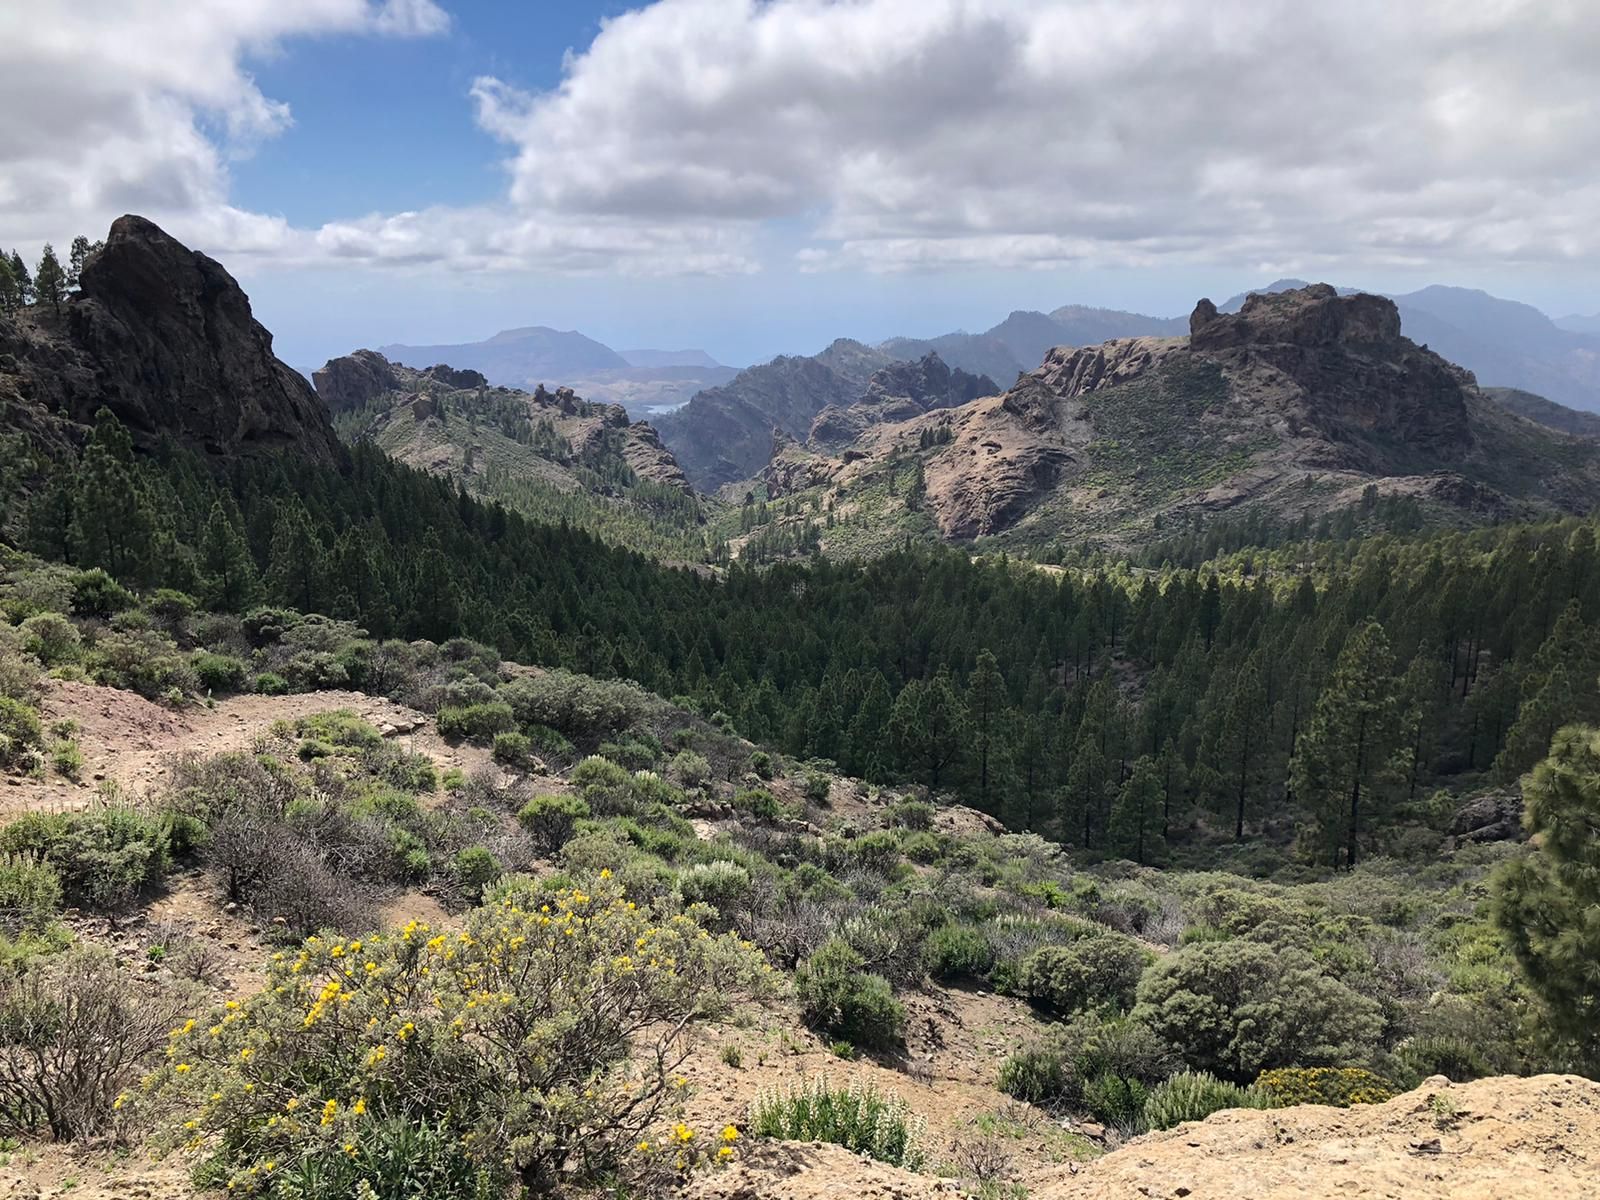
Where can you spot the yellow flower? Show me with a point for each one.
(682, 1132)
(730, 1134)
(182, 1068)
(329, 1111)
(359, 1107)
(291, 1103)
(605, 872)
(643, 1147)
(725, 1153)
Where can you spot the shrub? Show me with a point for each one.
(857, 1117)
(30, 895)
(20, 731)
(575, 704)
(761, 764)
(512, 748)
(538, 1047)
(633, 753)
(1085, 974)
(73, 1035)
(50, 638)
(877, 851)
(957, 952)
(96, 594)
(912, 814)
(551, 820)
(839, 999)
(143, 661)
(759, 803)
(1456, 1058)
(1237, 1008)
(721, 884)
(1194, 1096)
(339, 728)
(690, 769)
(606, 787)
(1338, 1086)
(1114, 1099)
(218, 672)
(105, 857)
(476, 722)
(1035, 1074)
(475, 870)
(922, 848)
(66, 759)
(269, 683)
(816, 785)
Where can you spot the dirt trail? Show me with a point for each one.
(127, 740)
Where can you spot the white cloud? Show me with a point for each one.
(693, 135)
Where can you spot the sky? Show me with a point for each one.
(754, 177)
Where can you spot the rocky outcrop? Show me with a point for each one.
(352, 381)
(164, 337)
(899, 392)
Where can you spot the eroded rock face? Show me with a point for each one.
(899, 392)
(164, 337)
(349, 382)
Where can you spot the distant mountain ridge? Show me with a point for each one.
(642, 381)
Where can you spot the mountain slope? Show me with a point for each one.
(1545, 412)
(163, 337)
(896, 393)
(548, 455)
(725, 434)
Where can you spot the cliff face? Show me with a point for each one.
(164, 337)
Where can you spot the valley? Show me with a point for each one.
(1155, 770)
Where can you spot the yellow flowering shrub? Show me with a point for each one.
(1338, 1086)
(537, 1046)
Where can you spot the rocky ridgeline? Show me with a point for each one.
(164, 337)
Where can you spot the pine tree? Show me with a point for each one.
(1547, 903)
(228, 573)
(1239, 732)
(10, 288)
(1083, 794)
(79, 255)
(297, 565)
(1343, 757)
(19, 272)
(986, 698)
(1133, 832)
(1561, 686)
(928, 726)
(112, 522)
(50, 281)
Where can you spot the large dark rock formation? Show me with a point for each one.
(162, 336)
(899, 392)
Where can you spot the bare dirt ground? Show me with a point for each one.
(127, 740)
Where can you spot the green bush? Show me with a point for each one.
(1085, 974)
(877, 851)
(30, 895)
(690, 769)
(51, 638)
(269, 683)
(475, 870)
(1035, 1074)
(96, 594)
(761, 764)
(538, 1047)
(20, 732)
(512, 748)
(912, 814)
(839, 999)
(759, 803)
(1115, 1099)
(632, 753)
(105, 857)
(1237, 1008)
(476, 722)
(1338, 1086)
(1194, 1096)
(607, 788)
(723, 885)
(576, 705)
(551, 820)
(341, 729)
(66, 759)
(922, 848)
(857, 1117)
(958, 952)
(218, 672)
